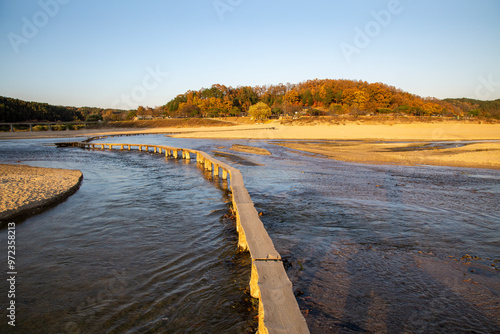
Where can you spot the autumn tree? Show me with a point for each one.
(259, 111)
(292, 97)
(337, 96)
(141, 111)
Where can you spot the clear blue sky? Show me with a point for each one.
(127, 53)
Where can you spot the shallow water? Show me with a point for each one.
(141, 247)
(378, 248)
(368, 248)
(373, 248)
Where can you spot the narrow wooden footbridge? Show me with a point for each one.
(278, 308)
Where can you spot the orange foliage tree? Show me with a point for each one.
(359, 97)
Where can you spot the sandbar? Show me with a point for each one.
(25, 190)
(355, 131)
(250, 149)
(459, 154)
(392, 135)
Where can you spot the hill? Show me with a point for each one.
(477, 107)
(322, 97)
(313, 97)
(15, 110)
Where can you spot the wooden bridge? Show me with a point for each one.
(278, 308)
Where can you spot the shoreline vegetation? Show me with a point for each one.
(318, 109)
(317, 97)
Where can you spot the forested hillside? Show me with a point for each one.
(322, 97)
(477, 107)
(313, 97)
(14, 110)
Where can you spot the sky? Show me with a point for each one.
(122, 54)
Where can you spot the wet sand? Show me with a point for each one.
(25, 189)
(474, 155)
(417, 150)
(250, 149)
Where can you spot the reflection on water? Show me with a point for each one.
(368, 248)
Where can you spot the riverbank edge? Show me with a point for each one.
(444, 131)
(473, 154)
(35, 207)
(279, 311)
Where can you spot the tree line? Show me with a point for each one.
(313, 97)
(474, 107)
(321, 97)
(15, 110)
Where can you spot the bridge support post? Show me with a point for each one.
(31, 127)
(11, 128)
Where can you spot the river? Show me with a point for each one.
(144, 245)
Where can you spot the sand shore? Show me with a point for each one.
(275, 130)
(355, 131)
(25, 190)
(472, 155)
(355, 142)
(480, 155)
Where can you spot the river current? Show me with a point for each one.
(145, 245)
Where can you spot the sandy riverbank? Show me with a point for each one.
(356, 131)
(481, 155)
(25, 189)
(417, 149)
(276, 130)
(473, 155)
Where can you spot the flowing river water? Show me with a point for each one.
(145, 245)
